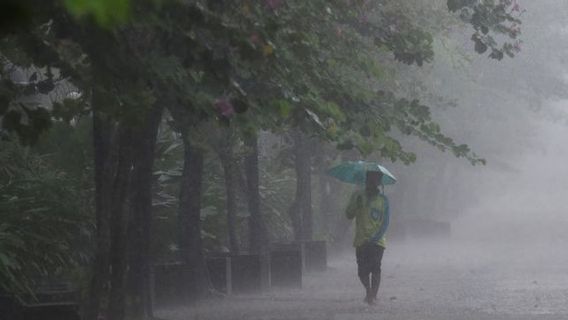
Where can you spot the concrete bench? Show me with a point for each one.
(219, 267)
(246, 273)
(315, 255)
(286, 265)
(240, 273)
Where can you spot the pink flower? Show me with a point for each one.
(224, 107)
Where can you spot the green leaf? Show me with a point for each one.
(284, 108)
(105, 12)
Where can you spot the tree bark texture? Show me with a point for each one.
(191, 245)
(301, 211)
(119, 219)
(326, 202)
(257, 235)
(103, 142)
(113, 158)
(229, 170)
(114, 147)
(140, 223)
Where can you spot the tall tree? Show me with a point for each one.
(140, 224)
(191, 245)
(118, 224)
(228, 162)
(257, 230)
(302, 208)
(103, 142)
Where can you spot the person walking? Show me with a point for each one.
(370, 209)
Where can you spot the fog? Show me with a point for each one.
(204, 170)
(513, 114)
(524, 202)
(505, 256)
(527, 205)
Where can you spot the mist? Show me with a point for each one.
(284, 159)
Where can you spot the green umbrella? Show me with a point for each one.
(355, 172)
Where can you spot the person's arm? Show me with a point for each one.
(385, 221)
(351, 210)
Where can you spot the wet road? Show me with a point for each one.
(420, 281)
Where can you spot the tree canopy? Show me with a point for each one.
(321, 63)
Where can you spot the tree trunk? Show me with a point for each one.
(301, 211)
(140, 224)
(228, 162)
(189, 216)
(118, 230)
(326, 203)
(104, 146)
(257, 235)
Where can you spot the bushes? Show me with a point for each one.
(43, 227)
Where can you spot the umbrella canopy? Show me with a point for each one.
(355, 172)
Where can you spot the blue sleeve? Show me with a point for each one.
(386, 220)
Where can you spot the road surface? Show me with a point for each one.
(421, 281)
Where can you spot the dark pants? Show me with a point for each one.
(369, 256)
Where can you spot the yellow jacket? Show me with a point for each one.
(371, 217)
